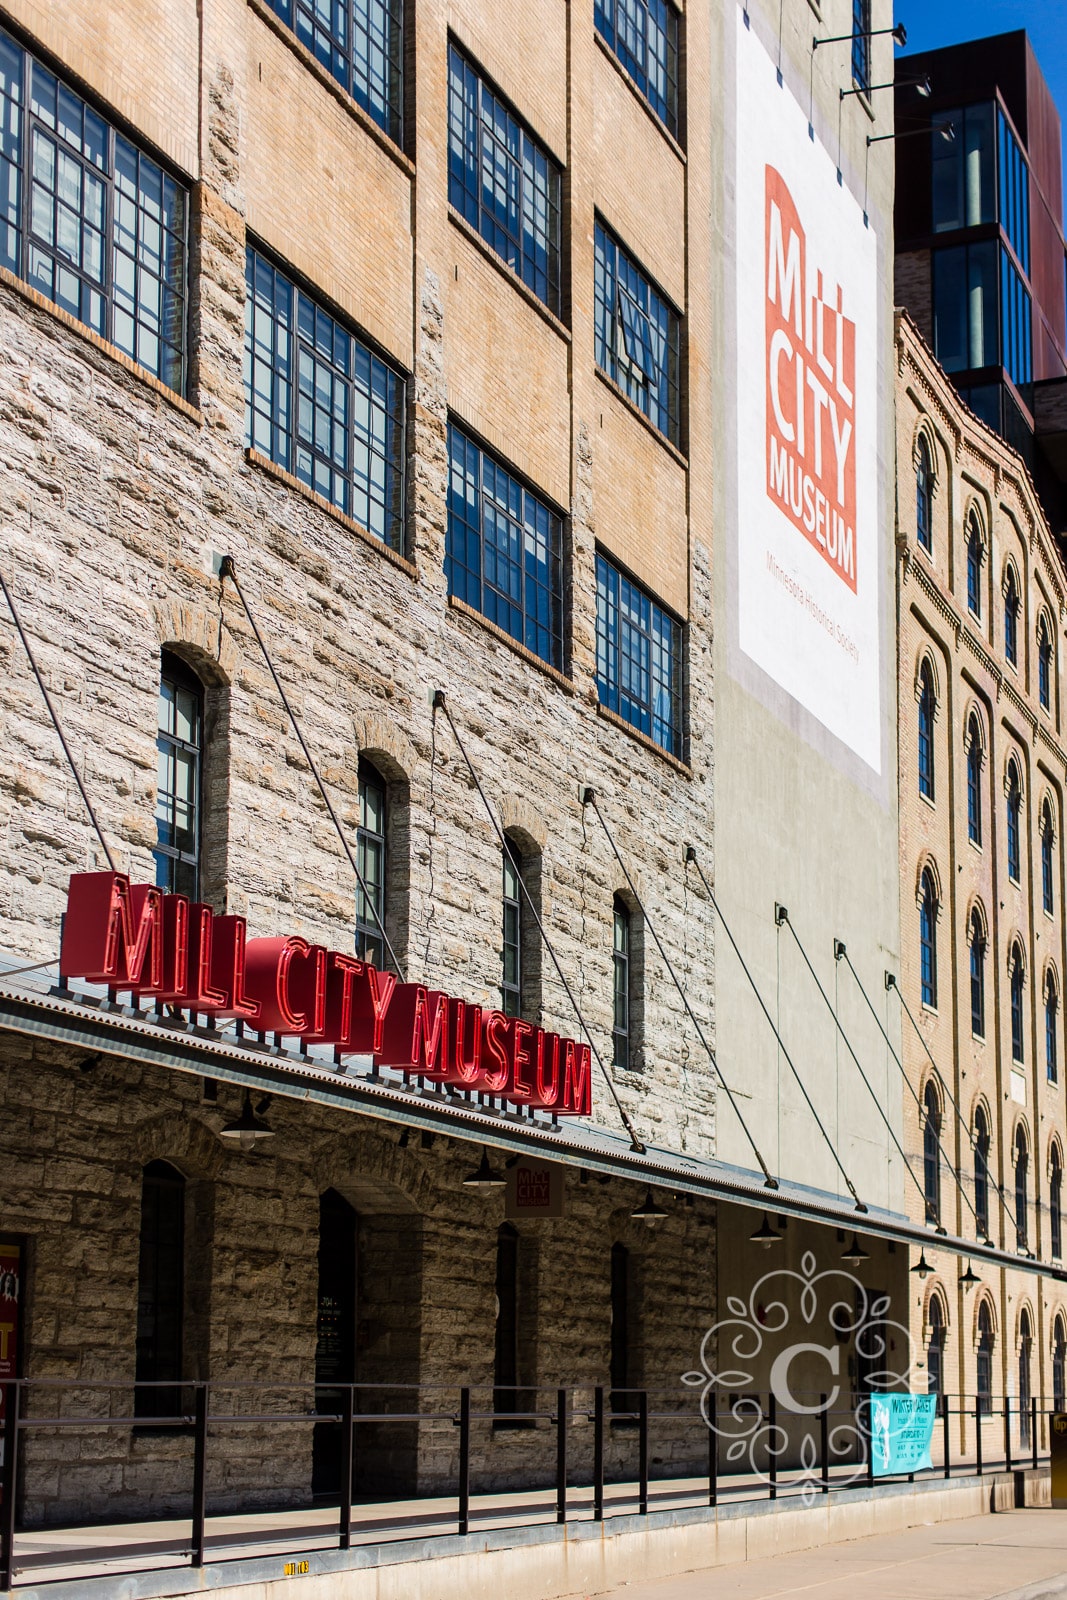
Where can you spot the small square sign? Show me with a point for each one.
(535, 1189)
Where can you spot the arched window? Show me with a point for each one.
(1052, 1070)
(1048, 840)
(935, 1355)
(974, 566)
(928, 938)
(1044, 663)
(974, 780)
(1055, 1204)
(179, 746)
(977, 959)
(623, 1370)
(932, 1154)
(923, 497)
(1018, 1046)
(620, 1030)
(511, 994)
(506, 1360)
(371, 844)
(1011, 619)
(1059, 1365)
(981, 1172)
(984, 1364)
(927, 706)
(1022, 1164)
(160, 1291)
(1015, 800)
(1026, 1339)
(520, 952)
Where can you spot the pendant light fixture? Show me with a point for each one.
(247, 1130)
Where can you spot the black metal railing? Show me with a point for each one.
(705, 1470)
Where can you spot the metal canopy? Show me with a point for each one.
(91, 1023)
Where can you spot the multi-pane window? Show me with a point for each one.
(179, 744)
(502, 181)
(928, 939)
(370, 858)
(1015, 802)
(935, 1356)
(926, 731)
(511, 995)
(643, 34)
(977, 966)
(321, 404)
(504, 552)
(966, 322)
(638, 335)
(1025, 1384)
(1044, 663)
(89, 220)
(981, 1172)
(932, 1154)
(974, 781)
(160, 1292)
(963, 188)
(361, 44)
(861, 43)
(620, 1030)
(1014, 208)
(1059, 1365)
(638, 657)
(924, 531)
(1022, 1176)
(974, 566)
(1055, 1209)
(1052, 1070)
(1011, 618)
(506, 1340)
(1048, 838)
(1016, 321)
(984, 1364)
(1018, 1049)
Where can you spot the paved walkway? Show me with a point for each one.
(1016, 1555)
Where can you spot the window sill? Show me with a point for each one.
(642, 738)
(505, 271)
(975, 844)
(660, 126)
(330, 83)
(112, 351)
(462, 609)
(928, 800)
(280, 475)
(635, 410)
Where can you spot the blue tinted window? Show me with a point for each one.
(926, 734)
(923, 496)
(1017, 1025)
(644, 36)
(1014, 192)
(638, 657)
(1015, 320)
(965, 306)
(974, 567)
(928, 940)
(974, 783)
(361, 44)
(861, 44)
(638, 335)
(1014, 827)
(504, 549)
(963, 183)
(502, 181)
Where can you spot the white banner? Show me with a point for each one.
(808, 556)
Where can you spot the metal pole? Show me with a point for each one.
(946, 1434)
(561, 1455)
(978, 1434)
(772, 1458)
(348, 1406)
(713, 1457)
(199, 1472)
(8, 1484)
(598, 1453)
(870, 1444)
(464, 1460)
(642, 1417)
(1033, 1426)
(824, 1445)
(1007, 1434)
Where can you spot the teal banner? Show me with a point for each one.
(902, 1426)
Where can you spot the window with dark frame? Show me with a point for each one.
(1011, 619)
(89, 220)
(975, 555)
(643, 36)
(1055, 1208)
(1018, 1047)
(371, 849)
(1025, 1380)
(984, 1362)
(1044, 664)
(1014, 820)
(1022, 1175)
(503, 181)
(511, 988)
(1052, 1068)
(321, 404)
(927, 708)
(638, 657)
(932, 1154)
(974, 781)
(361, 44)
(861, 44)
(504, 552)
(179, 751)
(620, 1370)
(506, 1338)
(928, 939)
(160, 1292)
(638, 340)
(981, 1172)
(1059, 1365)
(1048, 846)
(977, 964)
(620, 1031)
(924, 530)
(935, 1364)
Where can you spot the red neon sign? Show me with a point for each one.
(136, 938)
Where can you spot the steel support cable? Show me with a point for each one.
(893, 984)
(228, 570)
(56, 723)
(691, 855)
(784, 916)
(589, 799)
(842, 955)
(440, 703)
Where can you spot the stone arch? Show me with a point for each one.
(935, 1290)
(975, 905)
(975, 516)
(524, 823)
(974, 717)
(1013, 763)
(927, 864)
(197, 634)
(926, 658)
(1026, 1305)
(1009, 572)
(384, 743)
(985, 1298)
(188, 1143)
(1015, 950)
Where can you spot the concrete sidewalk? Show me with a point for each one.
(1015, 1555)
